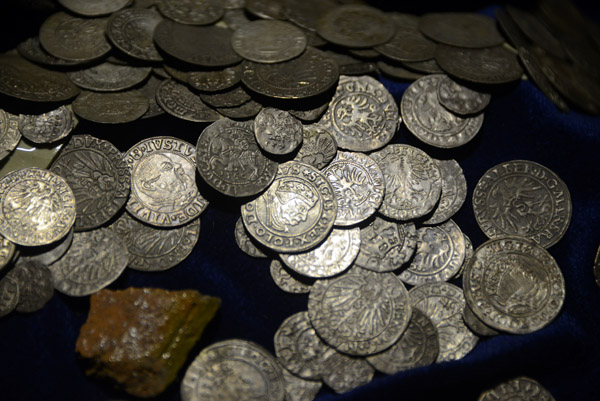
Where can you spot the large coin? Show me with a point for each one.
(523, 198)
(408, 44)
(9, 294)
(514, 285)
(459, 99)
(233, 370)
(245, 243)
(10, 135)
(47, 127)
(192, 12)
(99, 177)
(412, 182)
(131, 31)
(429, 121)
(296, 213)
(94, 8)
(277, 131)
(318, 146)
(111, 108)
(461, 29)
(454, 191)
(361, 312)
(230, 160)
(37, 207)
(298, 389)
(35, 285)
(108, 77)
(520, 388)
(288, 281)
(177, 100)
(362, 114)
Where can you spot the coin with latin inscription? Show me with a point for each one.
(179, 101)
(131, 30)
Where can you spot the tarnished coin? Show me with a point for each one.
(268, 41)
(318, 146)
(231, 97)
(356, 26)
(235, 18)
(310, 74)
(597, 267)
(397, 71)
(412, 181)
(306, 13)
(233, 370)
(75, 39)
(461, 29)
(360, 312)
(523, 198)
(149, 90)
(418, 346)
(286, 281)
(47, 127)
(443, 303)
(298, 389)
(296, 213)
(267, 9)
(429, 121)
(32, 50)
(108, 77)
(35, 285)
(132, 31)
(94, 8)
(94, 260)
(459, 99)
(7, 252)
(309, 114)
(513, 284)
(111, 108)
(520, 388)
(10, 134)
(468, 254)
(513, 33)
(408, 44)
(245, 242)
(9, 294)
(216, 80)
(476, 325)
(163, 182)
(344, 372)
(424, 67)
(454, 191)
(229, 160)
(244, 112)
(155, 249)
(333, 256)
(192, 12)
(385, 246)
(358, 185)
(38, 207)
(24, 80)
(47, 254)
(277, 132)
(180, 74)
(177, 100)
(439, 255)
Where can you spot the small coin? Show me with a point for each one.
(454, 191)
(318, 146)
(107, 77)
(216, 80)
(94, 260)
(460, 99)
(476, 325)
(7, 252)
(94, 8)
(111, 108)
(297, 389)
(177, 100)
(408, 44)
(32, 50)
(192, 12)
(47, 127)
(358, 185)
(397, 71)
(246, 111)
(163, 182)
(10, 134)
(513, 284)
(344, 372)
(418, 346)
(439, 255)
(277, 131)
(520, 388)
(412, 182)
(235, 96)
(34, 282)
(268, 41)
(362, 115)
(131, 30)
(287, 281)
(461, 29)
(296, 213)
(245, 242)
(47, 254)
(229, 159)
(524, 198)
(149, 90)
(267, 9)
(233, 370)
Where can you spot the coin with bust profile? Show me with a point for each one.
(454, 191)
(318, 146)
(268, 41)
(47, 127)
(10, 134)
(111, 107)
(245, 243)
(277, 131)
(35, 285)
(94, 8)
(131, 30)
(179, 101)
(191, 12)
(287, 281)
(520, 388)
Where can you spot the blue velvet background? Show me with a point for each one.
(37, 358)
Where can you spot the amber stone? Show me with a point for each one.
(140, 337)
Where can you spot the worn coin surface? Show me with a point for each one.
(424, 67)
(32, 50)
(231, 97)
(286, 281)
(132, 31)
(443, 303)
(344, 372)
(233, 370)
(418, 346)
(47, 127)
(267, 9)
(243, 112)
(37, 207)
(408, 44)
(318, 146)
(412, 181)
(35, 285)
(429, 121)
(358, 185)
(192, 12)
(149, 90)
(361, 312)
(468, 254)
(362, 115)
(461, 29)
(10, 134)
(459, 99)
(108, 77)
(47, 254)
(268, 41)
(439, 255)
(513, 284)
(9, 294)
(277, 131)
(397, 71)
(111, 108)
(296, 213)
(229, 159)
(94, 8)
(215, 80)
(523, 198)
(311, 114)
(7, 252)
(454, 191)
(245, 242)
(298, 389)
(520, 388)
(476, 325)
(177, 100)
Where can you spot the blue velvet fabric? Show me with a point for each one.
(37, 358)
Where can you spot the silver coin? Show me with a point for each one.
(459, 99)
(454, 191)
(192, 12)
(358, 185)
(468, 254)
(47, 127)
(362, 114)
(385, 246)
(268, 41)
(131, 31)
(245, 243)
(439, 255)
(318, 146)
(344, 372)
(108, 77)
(94, 8)
(285, 281)
(297, 389)
(111, 108)
(48, 254)
(10, 135)
(361, 312)
(520, 388)
(35, 285)
(412, 182)
(476, 325)
(397, 72)
(235, 96)
(32, 50)
(9, 294)
(177, 100)
(216, 80)
(513, 284)
(244, 112)
(331, 257)
(309, 114)
(233, 370)
(277, 131)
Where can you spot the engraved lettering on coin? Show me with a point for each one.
(47, 127)
(288, 282)
(318, 146)
(454, 191)
(268, 41)
(10, 135)
(245, 243)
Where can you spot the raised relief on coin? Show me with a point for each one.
(513, 284)
(318, 146)
(412, 182)
(163, 182)
(233, 370)
(191, 12)
(522, 198)
(108, 77)
(385, 246)
(460, 99)
(333, 256)
(358, 184)
(277, 132)
(429, 121)
(439, 255)
(230, 161)
(362, 115)
(245, 243)
(111, 108)
(131, 31)
(177, 100)
(99, 177)
(38, 207)
(520, 388)
(454, 191)
(10, 135)
(288, 281)
(47, 127)
(298, 389)
(296, 213)
(35, 285)
(361, 312)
